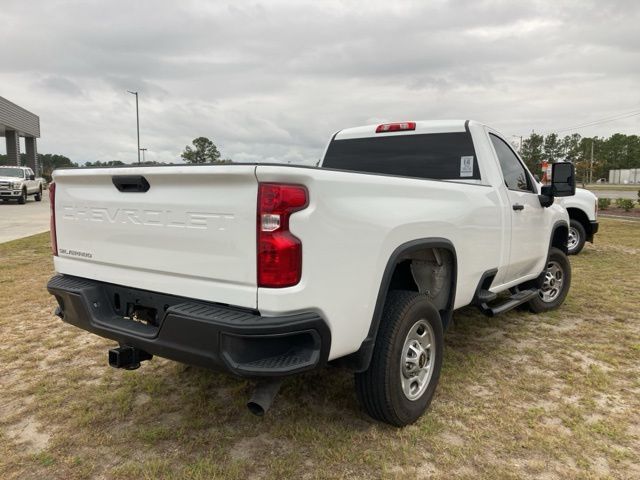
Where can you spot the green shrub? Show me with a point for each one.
(604, 203)
(625, 203)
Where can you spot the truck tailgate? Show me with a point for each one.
(192, 233)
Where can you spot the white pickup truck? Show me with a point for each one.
(583, 219)
(270, 270)
(17, 183)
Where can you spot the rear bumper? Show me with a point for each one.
(194, 332)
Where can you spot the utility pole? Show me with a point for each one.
(591, 166)
(143, 150)
(520, 147)
(137, 122)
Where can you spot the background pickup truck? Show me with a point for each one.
(583, 218)
(17, 183)
(269, 270)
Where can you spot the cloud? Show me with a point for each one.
(273, 80)
(59, 85)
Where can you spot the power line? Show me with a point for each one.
(598, 122)
(613, 118)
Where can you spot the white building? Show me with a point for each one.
(625, 176)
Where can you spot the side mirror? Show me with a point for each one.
(546, 196)
(563, 182)
(32, 177)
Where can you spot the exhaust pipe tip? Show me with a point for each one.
(263, 396)
(255, 408)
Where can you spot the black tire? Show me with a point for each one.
(539, 304)
(22, 199)
(38, 196)
(577, 229)
(379, 388)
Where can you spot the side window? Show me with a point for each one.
(515, 175)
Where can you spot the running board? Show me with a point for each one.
(485, 296)
(510, 303)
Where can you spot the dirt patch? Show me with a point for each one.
(565, 324)
(452, 439)
(141, 399)
(586, 362)
(555, 424)
(29, 435)
(479, 391)
(426, 470)
(263, 444)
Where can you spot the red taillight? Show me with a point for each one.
(279, 251)
(396, 127)
(52, 201)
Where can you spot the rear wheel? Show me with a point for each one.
(22, 199)
(577, 237)
(555, 287)
(401, 380)
(38, 196)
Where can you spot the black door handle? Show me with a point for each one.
(130, 183)
(517, 206)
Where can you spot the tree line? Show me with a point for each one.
(202, 151)
(615, 152)
(48, 162)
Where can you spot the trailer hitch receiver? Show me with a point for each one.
(127, 357)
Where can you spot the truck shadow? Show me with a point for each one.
(327, 396)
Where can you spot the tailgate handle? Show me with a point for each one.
(131, 183)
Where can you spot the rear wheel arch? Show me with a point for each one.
(399, 274)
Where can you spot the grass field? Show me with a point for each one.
(521, 396)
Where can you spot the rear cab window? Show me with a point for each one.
(435, 156)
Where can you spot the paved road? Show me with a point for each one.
(18, 221)
(633, 195)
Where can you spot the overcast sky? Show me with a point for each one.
(271, 81)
